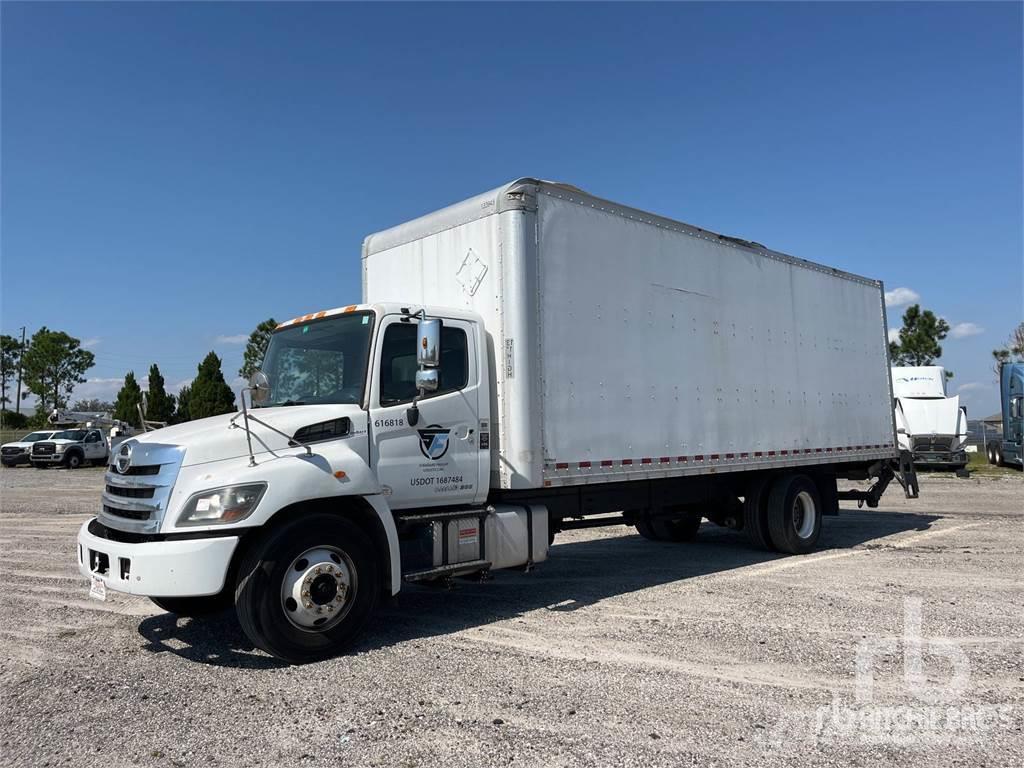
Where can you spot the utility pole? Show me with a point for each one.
(21, 355)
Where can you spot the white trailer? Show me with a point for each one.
(530, 360)
(930, 424)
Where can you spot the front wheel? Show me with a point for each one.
(73, 460)
(306, 589)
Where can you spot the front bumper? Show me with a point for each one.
(49, 458)
(15, 458)
(941, 459)
(180, 568)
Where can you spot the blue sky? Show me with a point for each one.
(174, 173)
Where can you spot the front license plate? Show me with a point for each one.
(97, 589)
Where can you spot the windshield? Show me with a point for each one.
(70, 434)
(323, 361)
(35, 437)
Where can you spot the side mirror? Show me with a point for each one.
(427, 380)
(428, 345)
(259, 386)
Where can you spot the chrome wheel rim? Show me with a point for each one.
(318, 589)
(804, 514)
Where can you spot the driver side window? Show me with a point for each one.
(398, 363)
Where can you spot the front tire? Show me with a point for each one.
(306, 589)
(73, 460)
(794, 514)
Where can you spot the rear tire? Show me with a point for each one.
(339, 597)
(794, 514)
(676, 529)
(195, 606)
(755, 514)
(997, 454)
(990, 454)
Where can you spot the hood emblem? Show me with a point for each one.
(123, 462)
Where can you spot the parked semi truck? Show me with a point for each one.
(1008, 449)
(930, 424)
(527, 361)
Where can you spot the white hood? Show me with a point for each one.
(934, 416)
(215, 438)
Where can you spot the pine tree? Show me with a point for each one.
(256, 348)
(183, 411)
(159, 404)
(130, 396)
(919, 338)
(210, 395)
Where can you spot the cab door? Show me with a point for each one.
(436, 461)
(95, 446)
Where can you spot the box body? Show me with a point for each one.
(624, 345)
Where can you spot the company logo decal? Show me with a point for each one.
(434, 441)
(123, 462)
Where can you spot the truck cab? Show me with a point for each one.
(356, 409)
(1008, 450)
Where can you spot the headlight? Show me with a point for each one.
(222, 505)
(58, 449)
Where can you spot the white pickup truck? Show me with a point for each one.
(530, 360)
(930, 424)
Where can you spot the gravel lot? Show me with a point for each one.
(617, 651)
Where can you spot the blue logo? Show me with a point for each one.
(434, 441)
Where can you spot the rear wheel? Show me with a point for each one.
(306, 589)
(997, 454)
(755, 513)
(990, 454)
(194, 606)
(794, 514)
(677, 529)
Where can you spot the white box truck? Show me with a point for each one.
(930, 424)
(530, 360)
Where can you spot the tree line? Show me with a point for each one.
(53, 363)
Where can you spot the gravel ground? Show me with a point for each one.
(617, 651)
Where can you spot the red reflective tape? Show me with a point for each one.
(645, 461)
(699, 457)
(784, 453)
(744, 455)
(626, 462)
(714, 457)
(584, 465)
(664, 460)
(730, 455)
(817, 450)
(607, 462)
(562, 465)
(682, 459)
(757, 453)
(771, 453)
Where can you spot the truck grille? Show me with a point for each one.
(12, 451)
(136, 471)
(136, 499)
(933, 444)
(131, 493)
(43, 449)
(129, 514)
